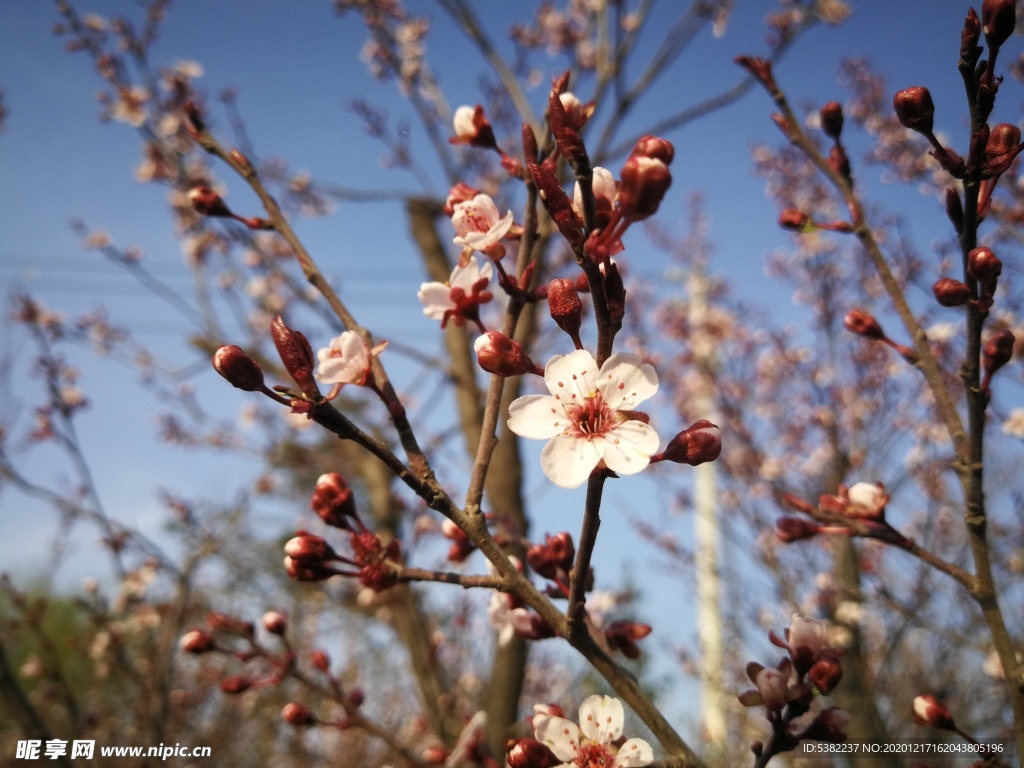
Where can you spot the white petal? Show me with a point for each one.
(463, 121)
(634, 753)
(536, 416)
(436, 298)
(561, 735)
(626, 380)
(568, 461)
(352, 347)
(465, 277)
(628, 447)
(484, 207)
(601, 719)
(604, 183)
(572, 374)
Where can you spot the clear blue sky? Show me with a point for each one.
(296, 66)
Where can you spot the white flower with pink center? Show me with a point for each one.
(590, 743)
(588, 418)
(461, 297)
(347, 360)
(478, 224)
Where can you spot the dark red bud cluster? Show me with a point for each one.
(206, 202)
(1001, 148)
(794, 219)
(645, 178)
(554, 558)
(861, 323)
(333, 501)
(240, 370)
(623, 636)
(826, 672)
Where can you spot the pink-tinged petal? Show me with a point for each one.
(601, 719)
(568, 462)
(626, 380)
(465, 277)
(561, 735)
(629, 447)
(462, 121)
(485, 208)
(436, 298)
(537, 417)
(572, 374)
(353, 348)
(634, 753)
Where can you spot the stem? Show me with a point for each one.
(576, 609)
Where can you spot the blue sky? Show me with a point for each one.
(296, 66)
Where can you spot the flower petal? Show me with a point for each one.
(465, 277)
(436, 298)
(568, 461)
(626, 380)
(629, 447)
(570, 378)
(601, 719)
(537, 417)
(561, 735)
(634, 753)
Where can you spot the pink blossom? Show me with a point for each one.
(347, 360)
(461, 297)
(592, 742)
(477, 223)
(587, 419)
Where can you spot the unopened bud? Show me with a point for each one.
(790, 529)
(914, 109)
(566, 308)
(645, 180)
(832, 119)
(794, 219)
(355, 697)
(320, 660)
(240, 370)
(950, 293)
(235, 684)
(997, 352)
(655, 148)
(296, 354)
(196, 641)
(1001, 148)
(773, 685)
(308, 549)
(206, 202)
(333, 501)
(224, 622)
(498, 354)
(861, 323)
(554, 555)
(700, 443)
(866, 500)
(623, 636)
(614, 293)
(931, 712)
(275, 623)
(296, 714)
(983, 265)
(529, 753)
(955, 209)
(472, 128)
(460, 193)
(998, 20)
(839, 162)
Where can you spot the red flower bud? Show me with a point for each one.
(645, 180)
(839, 162)
(931, 712)
(950, 293)
(860, 322)
(614, 293)
(555, 555)
(622, 636)
(275, 623)
(655, 148)
(998, 20)
(307, 549)
(498, 354)
(235, 684)
(206, 202)
(296, 714)
(223, 622)
(472, 128)
(914, 109)
(333, 501)
(832, 119)
(790, 529)
(1001, 148)
(566, 308)
(240, 370)
(296, 354)
(320, 660)
(955, 209)
(558, 205)
(196, 641)
(996, 353)
(794, 219)
(983, 265)
(700, 443)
